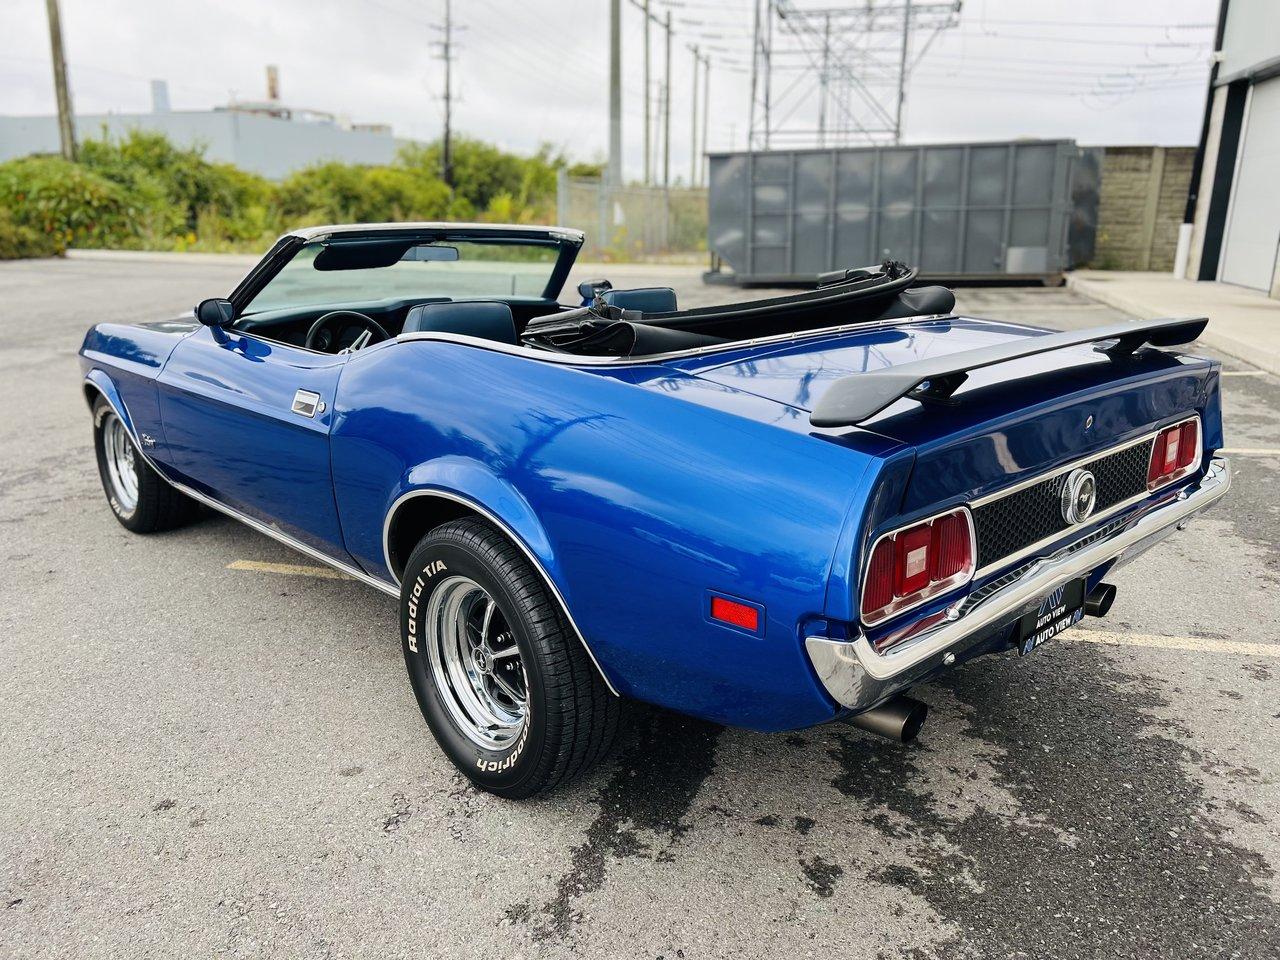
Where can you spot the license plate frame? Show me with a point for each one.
(1059, 610)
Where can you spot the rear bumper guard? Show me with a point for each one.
(857, 676)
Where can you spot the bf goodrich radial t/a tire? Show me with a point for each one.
(508, 690)
(141, 499)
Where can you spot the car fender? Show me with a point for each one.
(471, 483)
(98, 379)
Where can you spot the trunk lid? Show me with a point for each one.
(1006, 423)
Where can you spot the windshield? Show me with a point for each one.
(346, 271)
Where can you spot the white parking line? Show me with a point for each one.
(1193, 644)
(1252, 451)
(1244, 373)
(287, 569)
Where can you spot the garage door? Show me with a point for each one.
(1254, 231)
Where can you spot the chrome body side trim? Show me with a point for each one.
(258, 525)
(512, 536)
(392, 589)
(857, 677)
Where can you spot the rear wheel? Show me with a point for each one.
(508, 691)
(142, 500)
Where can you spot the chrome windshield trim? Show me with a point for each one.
(857, 677)
(568, 234)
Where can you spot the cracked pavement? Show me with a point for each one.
(204, 760)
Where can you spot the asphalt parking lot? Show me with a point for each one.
(211, 748)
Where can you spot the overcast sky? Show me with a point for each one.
(528, 71)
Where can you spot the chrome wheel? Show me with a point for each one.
(122, 473)
(476, 663)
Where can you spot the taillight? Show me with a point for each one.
(1175, 453)
(908, 566)
(912, 566)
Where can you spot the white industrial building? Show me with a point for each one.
(266, 137)
(1234, 234)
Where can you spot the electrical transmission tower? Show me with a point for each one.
(837, 75)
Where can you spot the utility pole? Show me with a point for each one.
(693, 127)
(902, 70)
(824, 79)
(666, 111)
(648, 169)
(614, 170)
(706, 109)
(768, 70)
(446, 54)
(66, 119)
(657, 124)
(755, 79)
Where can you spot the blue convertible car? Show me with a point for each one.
(773, 514)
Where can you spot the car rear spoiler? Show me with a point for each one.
(853, 399)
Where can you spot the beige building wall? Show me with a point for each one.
(1141, 199)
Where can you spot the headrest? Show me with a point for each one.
(486, 319)
(644, 299)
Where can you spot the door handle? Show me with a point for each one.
(307, 403)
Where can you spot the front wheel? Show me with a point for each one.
(508, 691)
(141, 499)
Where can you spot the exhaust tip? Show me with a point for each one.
(898, 719)
(1098, 603)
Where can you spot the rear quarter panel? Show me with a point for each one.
(637, 503)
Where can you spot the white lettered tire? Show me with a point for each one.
(141, 499)
(506, 687)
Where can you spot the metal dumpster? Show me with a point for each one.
(981, 211)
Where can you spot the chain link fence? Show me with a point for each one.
(633, 222)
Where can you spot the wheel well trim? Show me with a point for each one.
(110, 393)
(507, 531)
(101, 381)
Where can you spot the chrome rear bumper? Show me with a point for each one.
(858, 677)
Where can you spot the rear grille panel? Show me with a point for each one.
(1014, 522)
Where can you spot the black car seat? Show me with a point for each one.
(644, 299)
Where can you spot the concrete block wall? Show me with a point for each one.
(1141, 200)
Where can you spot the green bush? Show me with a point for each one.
(482, 173)
(18, 240)
(346, 193)
(175, 188)
(139, 191)
(67, 202)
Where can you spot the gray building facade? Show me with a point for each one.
(267, 145)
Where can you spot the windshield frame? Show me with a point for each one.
(568, 242)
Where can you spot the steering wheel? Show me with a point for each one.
(344, 331)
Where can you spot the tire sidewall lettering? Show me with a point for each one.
(496, 768)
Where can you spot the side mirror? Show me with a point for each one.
(215, 312)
